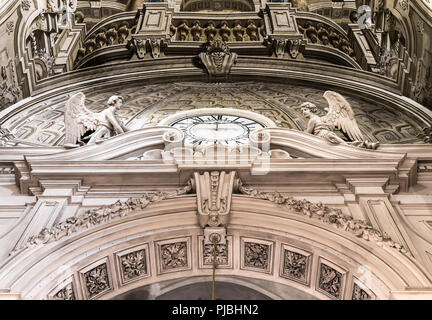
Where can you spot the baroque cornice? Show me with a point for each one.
(326, 215)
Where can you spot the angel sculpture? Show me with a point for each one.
(82, 124)
(339, 116)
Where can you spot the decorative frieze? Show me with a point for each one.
(174, 255)
(330, 280)
(96, 281)
(295, 264)
(66, 293)
(101, 215)
(133, 263)
(327, 215)
(256, 255)
(359, 293)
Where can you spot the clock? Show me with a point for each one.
(210, 129)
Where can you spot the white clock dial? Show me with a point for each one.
(211, 129)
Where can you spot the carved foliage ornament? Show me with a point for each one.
(295, 265)
(96, 280)
(359, 293)
(218, 59)
(330, 281)
(256, 255)
(174, 255)
(327, 215)
(94, 217)
(221, 254)
(134, 264)
(67, 293)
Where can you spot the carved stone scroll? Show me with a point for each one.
(214, 190)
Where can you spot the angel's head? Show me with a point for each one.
(115, 101)
(308, 108)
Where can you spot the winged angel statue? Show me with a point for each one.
(82, 124)
(339, 116)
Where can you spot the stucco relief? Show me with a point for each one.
(146, 105)
(359, 293)
(97, 281)
(174, 255)
(134, 264)
(295, 265)
(256, 255)
(66, 293)
(93, 217)
(221, 254)
(327, 215)
(330, 281)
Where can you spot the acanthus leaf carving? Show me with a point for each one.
(330, 280)
(134, 264)
(327, 215)
(256, 255)
(97, 280)
(94, 217)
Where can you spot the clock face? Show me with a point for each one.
(209, 129)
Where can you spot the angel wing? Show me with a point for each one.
(78, 119)
(341, 116)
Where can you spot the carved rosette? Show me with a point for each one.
(359, 293)
(295, 266)
(134, 265)
(174, 256)
(330, 281)
(66, 293)
(256, 255)
(218, 59)
(97, 281)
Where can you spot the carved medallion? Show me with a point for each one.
(174, 255)
(360, 294)
(256, 255)
(218, 59)
(133, 264)
(295, 265)
(67, 293)
(330, 280)
(97, 280)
